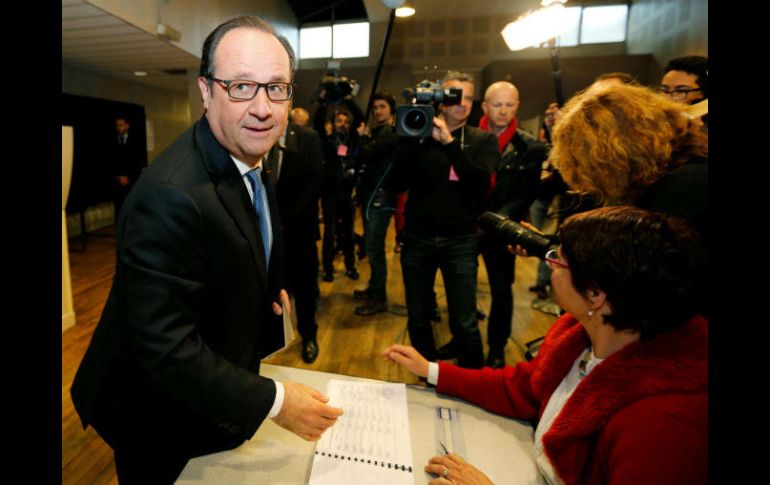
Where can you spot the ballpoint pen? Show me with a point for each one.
(444, 447)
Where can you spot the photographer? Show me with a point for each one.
(513, 187)
(378, 146)
(447, 176)
(336, 113)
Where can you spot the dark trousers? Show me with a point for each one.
(376, 221)
(302, 275)
(456, 257)
(501, 272)
(337, 205)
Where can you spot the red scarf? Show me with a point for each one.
(502, 139)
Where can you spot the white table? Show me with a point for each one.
(501, 447)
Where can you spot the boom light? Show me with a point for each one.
(537, 26)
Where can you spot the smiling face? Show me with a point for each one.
(247, 129)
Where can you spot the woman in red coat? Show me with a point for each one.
(620, 385)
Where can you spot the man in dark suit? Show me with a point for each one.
(296, 166)
(172, 371)
(128, 156)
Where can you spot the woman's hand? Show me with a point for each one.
(408, 357)
(453, 469)
(518, 250)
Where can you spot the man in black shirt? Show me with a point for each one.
(447, 177)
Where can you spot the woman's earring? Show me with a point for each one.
(590, 313)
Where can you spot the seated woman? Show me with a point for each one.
(626, 144)
(620, 385)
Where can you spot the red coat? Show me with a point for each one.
(641, 416)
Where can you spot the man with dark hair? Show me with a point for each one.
(377, 204)
(340, 149)
(447, 177)
(172, 371)
(685, 79)
(128, 155)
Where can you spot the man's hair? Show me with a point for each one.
(388, 98)
(207, 67)
(623, 77)
(614, 142)
(457, 76)
(695, 65)
(651, 266)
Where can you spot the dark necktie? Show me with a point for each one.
(263, 212)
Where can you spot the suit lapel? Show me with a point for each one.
(232, 192)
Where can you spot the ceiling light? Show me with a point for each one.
(168, 33)
(404, 12)
(140, 73)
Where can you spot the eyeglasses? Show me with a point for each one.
(678, 93)
(243, 90)
(552, 257)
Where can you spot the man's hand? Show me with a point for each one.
(452, 469)
(440, 132)
(305, 412)
(408, 357)
(552, 115)
(364, 130)
(518, 249)
(285, 301)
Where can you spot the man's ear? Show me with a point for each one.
(484, 107)
(205, 92)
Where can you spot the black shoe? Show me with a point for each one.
(480, 315)
(328, 276)
(436, 317)
(447, 351)
(361, 294)
(352, 274)
(309, 351)
(496, 359)
(370, 307)
(541, 290)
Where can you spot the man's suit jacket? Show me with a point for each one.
(128, 159)
(189, 313)
(299, 182)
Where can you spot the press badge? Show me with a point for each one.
(342, 150)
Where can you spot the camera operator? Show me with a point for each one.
(378, 146)
(447, 176)
(513, 187)
(335, 114)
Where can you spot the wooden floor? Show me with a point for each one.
(349, 344)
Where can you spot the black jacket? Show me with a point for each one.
(438, 206)
(518, 176)
(189, 313)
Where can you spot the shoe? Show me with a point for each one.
(480, 315)
(496, 359)
(370, 307)
(309, 351)
(352, 274)
(328, 276)
(436, 317)
(361, 294)
(398, 247)
(447, 351)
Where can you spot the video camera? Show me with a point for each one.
(337, 88)
(514, 233)
(416, 118)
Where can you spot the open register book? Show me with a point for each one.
(370, 442)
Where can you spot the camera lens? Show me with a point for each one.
(415, 120)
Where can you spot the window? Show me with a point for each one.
(593, 25)
(349, 40)
(604, 24)
(315, 42)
